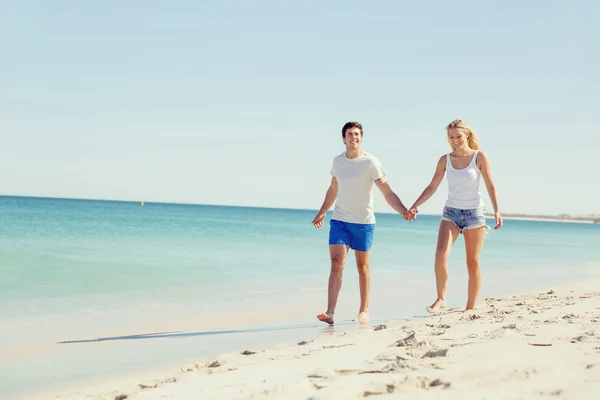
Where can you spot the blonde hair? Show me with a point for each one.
(461, 125)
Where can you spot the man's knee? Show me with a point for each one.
(337, 264)
(363, 267)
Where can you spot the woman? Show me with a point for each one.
(464, 209)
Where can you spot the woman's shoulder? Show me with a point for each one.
(482, 159)
(443, 159)
(481, 155)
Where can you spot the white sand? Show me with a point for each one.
(538, 345)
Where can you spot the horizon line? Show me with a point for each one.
(508, 215)
(177, 203)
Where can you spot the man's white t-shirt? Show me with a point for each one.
(356, 178)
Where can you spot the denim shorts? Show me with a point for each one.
(356, 236)
(465, 219)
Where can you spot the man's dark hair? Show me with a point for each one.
(350, 125)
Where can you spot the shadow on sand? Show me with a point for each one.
(182, 334)
(345, 325)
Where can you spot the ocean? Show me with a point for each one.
(93, 289)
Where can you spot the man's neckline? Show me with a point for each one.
(353, 158)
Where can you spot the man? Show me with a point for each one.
(353, 222)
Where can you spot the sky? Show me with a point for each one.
(242, 103)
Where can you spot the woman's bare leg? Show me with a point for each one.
(473, 244)
(447, 235)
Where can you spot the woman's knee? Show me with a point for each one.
(472, 263)
(442, 254)
(363, 267)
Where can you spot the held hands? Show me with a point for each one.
(411, 214)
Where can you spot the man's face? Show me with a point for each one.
(353, 138)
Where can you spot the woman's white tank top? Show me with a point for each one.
(463, 185)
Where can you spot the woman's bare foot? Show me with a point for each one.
(326, 318)
(439, 303)
(363, 316)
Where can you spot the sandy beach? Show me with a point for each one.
(544, 344)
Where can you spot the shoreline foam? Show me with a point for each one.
(534, 345)
(546, 219)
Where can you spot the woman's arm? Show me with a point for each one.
(429, 191)
(484, 165)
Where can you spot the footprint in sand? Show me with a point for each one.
(495, 334)
(335, 346)
(526, 373)
(395, 366)
(471, 317)
(460, 344)
(424, 383)
(390, 388)
(157, 384)
(439, 382)
(322, 374)
(347, 371)
(408, 341)
(553, 393)
(441, 326)
(436, 353)
(493, 299)
(506, 312)
(587, 337)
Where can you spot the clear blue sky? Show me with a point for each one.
(242, 102)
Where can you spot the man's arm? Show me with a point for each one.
(390, 197)
(330, 197)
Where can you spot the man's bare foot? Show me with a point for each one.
(325, 318)
(363, 316)
(439, 303)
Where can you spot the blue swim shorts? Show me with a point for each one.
(465, 219)
(357, 236)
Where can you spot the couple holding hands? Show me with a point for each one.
(353, 223)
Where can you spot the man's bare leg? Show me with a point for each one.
(364, 281)
(337, 253)
(473, 243)
(447, 235)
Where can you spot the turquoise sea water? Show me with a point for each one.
(73, 271)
